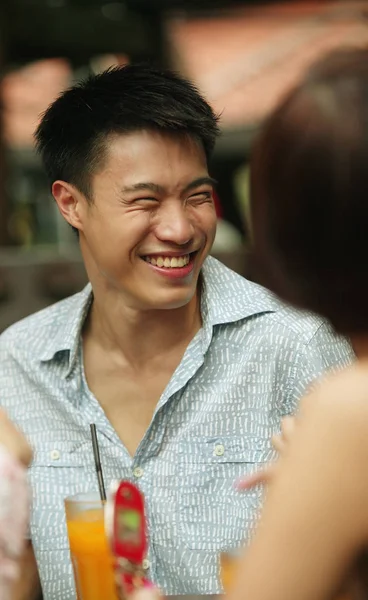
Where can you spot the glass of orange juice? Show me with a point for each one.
(228, 564)
(89, 548)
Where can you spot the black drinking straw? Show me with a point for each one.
(96, 454)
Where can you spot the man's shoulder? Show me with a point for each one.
(35, 331)
(293, 332)
(297, 323)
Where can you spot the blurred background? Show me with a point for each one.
(243, 55)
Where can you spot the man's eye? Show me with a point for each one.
(201, 197)
(146, 200)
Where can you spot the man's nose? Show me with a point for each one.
(175, 225)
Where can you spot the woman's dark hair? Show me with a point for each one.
(74, 131)
(309, 193)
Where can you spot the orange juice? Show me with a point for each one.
(90, 553)
(228, 563)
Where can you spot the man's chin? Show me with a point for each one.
(172, 300)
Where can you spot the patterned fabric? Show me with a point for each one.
(14, 507)
(246, 368)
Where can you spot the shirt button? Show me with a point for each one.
(219, 450)
(146, 564)
(138, 472)
(54, 454)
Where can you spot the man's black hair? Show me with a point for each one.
(73, 133)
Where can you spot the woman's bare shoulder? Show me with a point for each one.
(334, 419)
(345, 391)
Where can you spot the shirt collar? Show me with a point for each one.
(226, 298)
(69, 330)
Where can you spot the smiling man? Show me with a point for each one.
(185, 367)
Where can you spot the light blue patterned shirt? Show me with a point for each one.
(246, 368)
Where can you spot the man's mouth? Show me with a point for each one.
(169, 262)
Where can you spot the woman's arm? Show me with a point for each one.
(18, 572)
(14, 441)
(315, 518)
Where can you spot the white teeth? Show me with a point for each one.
(169, 263)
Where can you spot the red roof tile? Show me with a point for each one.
(245, 60)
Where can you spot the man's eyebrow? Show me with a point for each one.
(142, 186)
(200, 181)
(159, 189)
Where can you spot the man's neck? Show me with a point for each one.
(141, 337)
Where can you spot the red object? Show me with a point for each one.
(129, 524)
(128, 539)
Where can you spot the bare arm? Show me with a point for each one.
(315, 518)
(28, 587)
(14, 441)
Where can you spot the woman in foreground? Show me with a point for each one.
(310, 218)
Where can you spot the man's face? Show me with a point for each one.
(152, 221)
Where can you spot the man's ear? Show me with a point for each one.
(70, 201)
